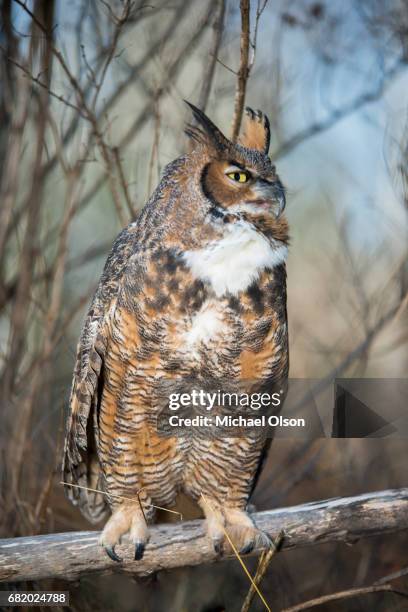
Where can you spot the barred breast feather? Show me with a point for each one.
(193, 290)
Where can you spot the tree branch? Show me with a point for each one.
(243, 71)
(71, 555)
(367, 97)
(319, 601)
(209, 72)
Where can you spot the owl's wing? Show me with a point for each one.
(80, 464)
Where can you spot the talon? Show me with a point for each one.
(139, 550)
(266, 542)
(247, 548)
(110, 550)
(218, 547)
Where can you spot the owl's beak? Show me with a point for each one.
(270, 196)
(279, 198)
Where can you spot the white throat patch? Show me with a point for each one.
(232, 263)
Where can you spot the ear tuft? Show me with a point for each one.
(256, 132)
(207, 132)
(194, 132)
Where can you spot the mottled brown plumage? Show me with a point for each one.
(194, 288)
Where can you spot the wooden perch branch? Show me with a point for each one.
(71, 555)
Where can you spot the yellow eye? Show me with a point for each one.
(239, 177)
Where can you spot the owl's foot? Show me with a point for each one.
(126, 519)
(224, 524)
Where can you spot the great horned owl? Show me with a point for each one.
(196, 286)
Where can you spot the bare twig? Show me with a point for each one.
(357, 352)
(263, 564)
(8, 188)
(318, 601)
(19, 316)
(101, 492)
(315, 128)
(226, 67)
(124, 184)
(393, 576)
(40, 83)
(147, 109)
(110, 102)
(209, 72)
(119, 22)
(259, 10)
(243, 71)
(155, 146)
(86, 109)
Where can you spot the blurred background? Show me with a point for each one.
(91, 110)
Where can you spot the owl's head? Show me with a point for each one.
(238, 178)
